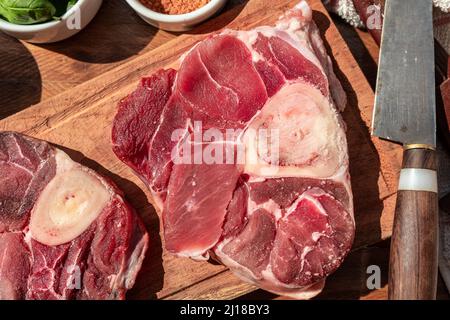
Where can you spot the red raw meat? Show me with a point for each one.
(137, 124)
(194, 200)
(290, 61)
(100, 262)
(283, 223)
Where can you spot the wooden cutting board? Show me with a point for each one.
(79, 122)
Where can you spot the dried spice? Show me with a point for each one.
(174, 6)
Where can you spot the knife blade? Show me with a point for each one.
(405, 112)
(405, 99)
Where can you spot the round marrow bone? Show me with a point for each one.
(306, 123)
(69, 204)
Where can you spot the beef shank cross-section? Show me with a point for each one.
(65, 231)
(266, 188)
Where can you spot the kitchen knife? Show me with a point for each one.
(405, 113)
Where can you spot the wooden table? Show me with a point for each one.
(33, 73)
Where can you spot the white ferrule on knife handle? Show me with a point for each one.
(414, 179)
(418, 179)
(414, 251)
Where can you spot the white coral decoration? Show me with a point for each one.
(346, 10)
(444, 5)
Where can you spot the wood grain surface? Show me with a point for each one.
(107, 67)
(31, 73)
(79, 121)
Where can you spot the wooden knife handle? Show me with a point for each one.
(414, 246)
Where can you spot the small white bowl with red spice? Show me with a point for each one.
(176, 15)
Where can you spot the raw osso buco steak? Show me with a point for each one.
(244, 150)
(65, 231)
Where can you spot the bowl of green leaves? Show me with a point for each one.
(45, 21)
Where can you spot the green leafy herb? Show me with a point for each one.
(70, 4)
(34, 11)
(27, 11)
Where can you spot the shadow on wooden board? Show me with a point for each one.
(351, 280)
(115, 34)
(150, 279)
(367, 199)
(227, 15)
(359, 51)
(354, 279)
(20, 79)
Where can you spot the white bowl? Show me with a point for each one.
(71, 23)
(176, 22)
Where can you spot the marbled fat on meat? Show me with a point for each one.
(283, 223)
